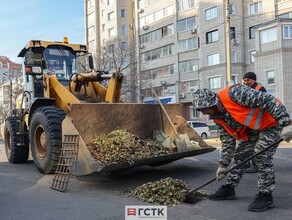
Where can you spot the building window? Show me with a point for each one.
(185, 4)
(268, 35)
(91, 17)
(158, 15)
(168, 11)
(213, 59)
(286, 15)
(212, 36)
(103, 27)
(157, 53)
(186, 24)
(111, 16)
(91, 45)
(123, 13)
(160, 72)
(102, 13)
(233, 79)
(111, 32)
(255, 8)
(211, 13)
(232, 32)
(232, 56)
(231, 9)
(287, 32)
(271, 77)
(188, 44)
(111, 48)
(251, 33)
(157, 34)
(193, 113)
(91, 31)
(90, 3)
(123, 46)
(168, 30)
(123, 29)
(110, 2)
(215, 82)
(251, 54)
(188, 66)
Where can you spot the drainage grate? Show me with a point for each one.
(67, 158)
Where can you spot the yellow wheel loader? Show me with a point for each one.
(63, 95)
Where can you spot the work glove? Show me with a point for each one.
(286, 133)
(220, 174)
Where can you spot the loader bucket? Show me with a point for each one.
(90, 120)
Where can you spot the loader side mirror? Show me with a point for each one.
(90, 62)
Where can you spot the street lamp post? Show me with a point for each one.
(227, 36)
(10, 101)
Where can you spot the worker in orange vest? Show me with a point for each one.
(250, 79)
(239, 110)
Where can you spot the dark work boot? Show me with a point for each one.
(262, 202)
(225, 192)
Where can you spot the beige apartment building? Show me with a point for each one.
(179, 45)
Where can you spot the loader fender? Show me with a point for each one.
(39, 102)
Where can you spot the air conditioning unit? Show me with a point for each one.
(142, 46)
(194, 30)
(181, 96)
(234, 41)
(145, 27)
(163, 83)
(140, 10)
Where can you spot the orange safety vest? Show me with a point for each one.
(253, 118)
(258, 86)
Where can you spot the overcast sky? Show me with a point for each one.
(23, 20)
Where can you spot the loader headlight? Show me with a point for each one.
(36, 70)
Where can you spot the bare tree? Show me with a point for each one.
(5, 108)
(118, 55)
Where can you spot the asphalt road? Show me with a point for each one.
(26, 194)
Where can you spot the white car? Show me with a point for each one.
(201, 128)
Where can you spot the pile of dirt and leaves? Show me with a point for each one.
(167, 191)
(121, 146)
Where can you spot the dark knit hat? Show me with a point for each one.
(250, 75)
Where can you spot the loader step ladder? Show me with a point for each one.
(67, 158)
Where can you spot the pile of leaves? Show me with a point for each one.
(166, 191)
(121, 146)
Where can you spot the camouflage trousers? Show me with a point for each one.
(258, 140)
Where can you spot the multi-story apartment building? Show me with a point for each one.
(181, 45)
(9, 69)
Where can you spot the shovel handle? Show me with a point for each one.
(234, 167)
(165, 112)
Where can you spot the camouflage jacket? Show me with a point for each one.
(245, 96)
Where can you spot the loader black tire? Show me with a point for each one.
(14, 152)
(46, 137)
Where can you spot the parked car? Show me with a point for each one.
(201, 128)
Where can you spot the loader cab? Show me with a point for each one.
(53, 58)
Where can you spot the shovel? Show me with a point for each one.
(181, 140)
(190, 196)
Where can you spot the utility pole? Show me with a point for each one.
(227, 39)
